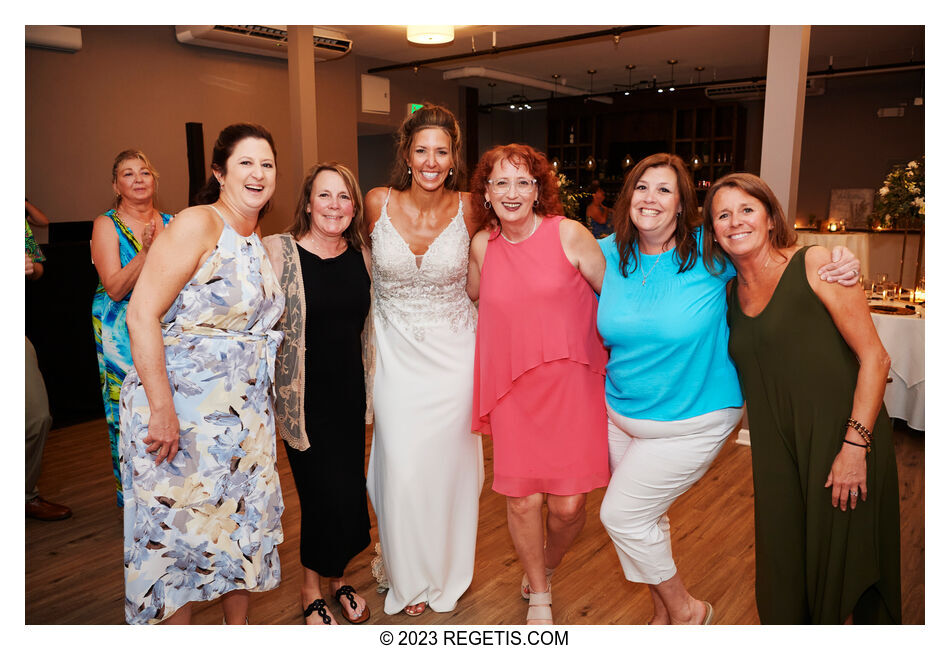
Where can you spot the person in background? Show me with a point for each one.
(813, 370)
(320, 382)
(121, 239)
(37, 415)
(198, 450)
(673, 396)
(598, 214)
(539, 362)
(425, 469)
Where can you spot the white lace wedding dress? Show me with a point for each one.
(425, 468)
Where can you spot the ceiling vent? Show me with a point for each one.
(263, 40)
(756, 90)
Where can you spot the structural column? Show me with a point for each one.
(784, 111)
(303, 101)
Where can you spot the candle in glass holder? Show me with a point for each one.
(919, 295)
(832, 227)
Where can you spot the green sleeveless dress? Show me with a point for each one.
(813, 563)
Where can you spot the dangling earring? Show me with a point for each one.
(487, 204)
(409, 170)
(535, 203)
(451, 169)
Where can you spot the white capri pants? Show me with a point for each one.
(652, 463)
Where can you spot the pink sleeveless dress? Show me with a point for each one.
(539, 369)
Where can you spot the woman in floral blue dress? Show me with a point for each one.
(202, 494)
(121, 239)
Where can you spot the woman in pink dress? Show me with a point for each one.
(539, 362)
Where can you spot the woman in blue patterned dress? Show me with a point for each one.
(202, 494)
(121, 239)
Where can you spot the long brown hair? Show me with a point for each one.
(780, 236)
(430, 116)
(302, 218)
(687, 219)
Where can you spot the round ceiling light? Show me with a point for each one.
(430, 34)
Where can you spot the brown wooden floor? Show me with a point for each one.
(74, 567)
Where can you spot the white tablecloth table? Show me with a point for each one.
(903, 338)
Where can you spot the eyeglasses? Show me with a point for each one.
(522, 186)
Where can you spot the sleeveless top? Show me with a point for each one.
(534, 307)
(430, 295)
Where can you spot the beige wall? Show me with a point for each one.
(136, 87)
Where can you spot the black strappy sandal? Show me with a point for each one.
(320, 607)
(348, 591)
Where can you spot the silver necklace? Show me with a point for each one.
(537, 222)
(659, 255)
(647, 274)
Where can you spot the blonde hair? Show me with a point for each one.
(130, 154)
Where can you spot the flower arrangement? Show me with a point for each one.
(900, 201)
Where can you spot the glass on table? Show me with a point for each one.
(877, 286)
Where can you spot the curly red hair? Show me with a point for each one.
(549, 201)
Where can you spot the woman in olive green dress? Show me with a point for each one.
(812, 370)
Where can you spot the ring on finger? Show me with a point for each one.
(854, 493)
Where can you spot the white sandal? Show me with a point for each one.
(539, 607)
(526, 587)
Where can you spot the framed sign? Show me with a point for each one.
(853, 207)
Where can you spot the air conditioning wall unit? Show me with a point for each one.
(756, 90)
(54, 37)
(263, 40)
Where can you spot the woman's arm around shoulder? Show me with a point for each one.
(583, 251)
(476, 257)
(847, 306)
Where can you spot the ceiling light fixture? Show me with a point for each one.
(430, 34)
(629, 68)
(672, 63)
(590, 86)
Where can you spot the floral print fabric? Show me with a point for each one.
(209, 522)
(112, 342)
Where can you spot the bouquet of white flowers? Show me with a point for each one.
(900, 201)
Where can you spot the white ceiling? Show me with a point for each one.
(726, 52)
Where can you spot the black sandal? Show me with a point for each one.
(320, 607)
(348, 591)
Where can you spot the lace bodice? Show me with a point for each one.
(431, 294)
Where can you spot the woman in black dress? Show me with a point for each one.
(321, 394)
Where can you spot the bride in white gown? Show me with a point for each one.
(425, 470)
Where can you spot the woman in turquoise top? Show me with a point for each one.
(672, 393)
(121, 239)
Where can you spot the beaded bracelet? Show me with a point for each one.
(861, 431)
(860, 428)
